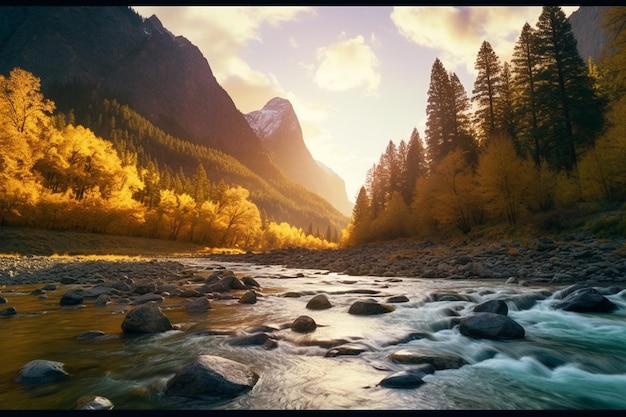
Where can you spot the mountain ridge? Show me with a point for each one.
(112, 52)
(278, 127)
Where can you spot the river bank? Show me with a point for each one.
(565, 259)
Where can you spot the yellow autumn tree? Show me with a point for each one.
(503, 180)
(456, 202)
(238, 219)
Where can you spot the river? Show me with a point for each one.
(586, 369)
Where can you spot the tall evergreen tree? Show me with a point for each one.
(414, 166)
(439, 115)
(566, 96)
(361, 218)
(487, 92)
(505, 111)
(524, 71)
(463, 137)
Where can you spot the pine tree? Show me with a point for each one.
(463, 138)
(439, 115)
(524, 70)
(487, 92)
(361, 218)
(414, 166)
(505, 111)
(566, 96)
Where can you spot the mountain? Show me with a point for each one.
(278, 127)
(591, 37)
(86, 54)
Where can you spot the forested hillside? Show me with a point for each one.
(546, 136)
(57, 174)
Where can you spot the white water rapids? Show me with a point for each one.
(567, 360)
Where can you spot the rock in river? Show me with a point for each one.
(368, 308)
(212, 376)
(303, 324)
(147, 318)
(40, 371)
(319, 302)
(490, 326)
(586, 300)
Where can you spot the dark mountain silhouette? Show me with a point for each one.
(85, 54)
(278, 127)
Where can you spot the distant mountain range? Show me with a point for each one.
(84, 54)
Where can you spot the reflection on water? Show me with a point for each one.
(567, 360)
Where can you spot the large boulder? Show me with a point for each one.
(199, 305)
(490, 326)
(41, 371)
(586, 300)
(147, 318)
(319, 302)
(249, 297)
(402, 379)
(409, 378)
(492, 306)
(212, 376)
(71, 299)
(303, 324)
(368, 308)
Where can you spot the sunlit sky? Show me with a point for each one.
(356, 76)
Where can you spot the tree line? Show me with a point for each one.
(539, 133)
(57, 174)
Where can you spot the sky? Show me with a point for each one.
(356, 76)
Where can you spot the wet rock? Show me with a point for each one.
(146, 298)
(568, 290)
(90, 334)
(199, 305)
(249, 297)
(250, 282)
(3, 300)
(397, 299)
(346, 350)
(586, 300)
(402, 379)
(409, 337)
(93, 402)
(10, 311)
(147, 318)
(144, 287)
(257, 339)
(233, 283)
(303, 324)
(490, 326)
(41, 371)
(492, 306)
(437, 360)
(447, 296)
(68, 280)
(212, 376)
(319, 302)
(71, 299)
(102, 300)
(292, 294)
(368, 308)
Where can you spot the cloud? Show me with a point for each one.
(458, 32)
(347, 64)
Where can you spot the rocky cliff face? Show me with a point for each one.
(278, 127)
(591, 38)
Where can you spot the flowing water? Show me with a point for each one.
(585, 366)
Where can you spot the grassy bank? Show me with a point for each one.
(27, 241)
